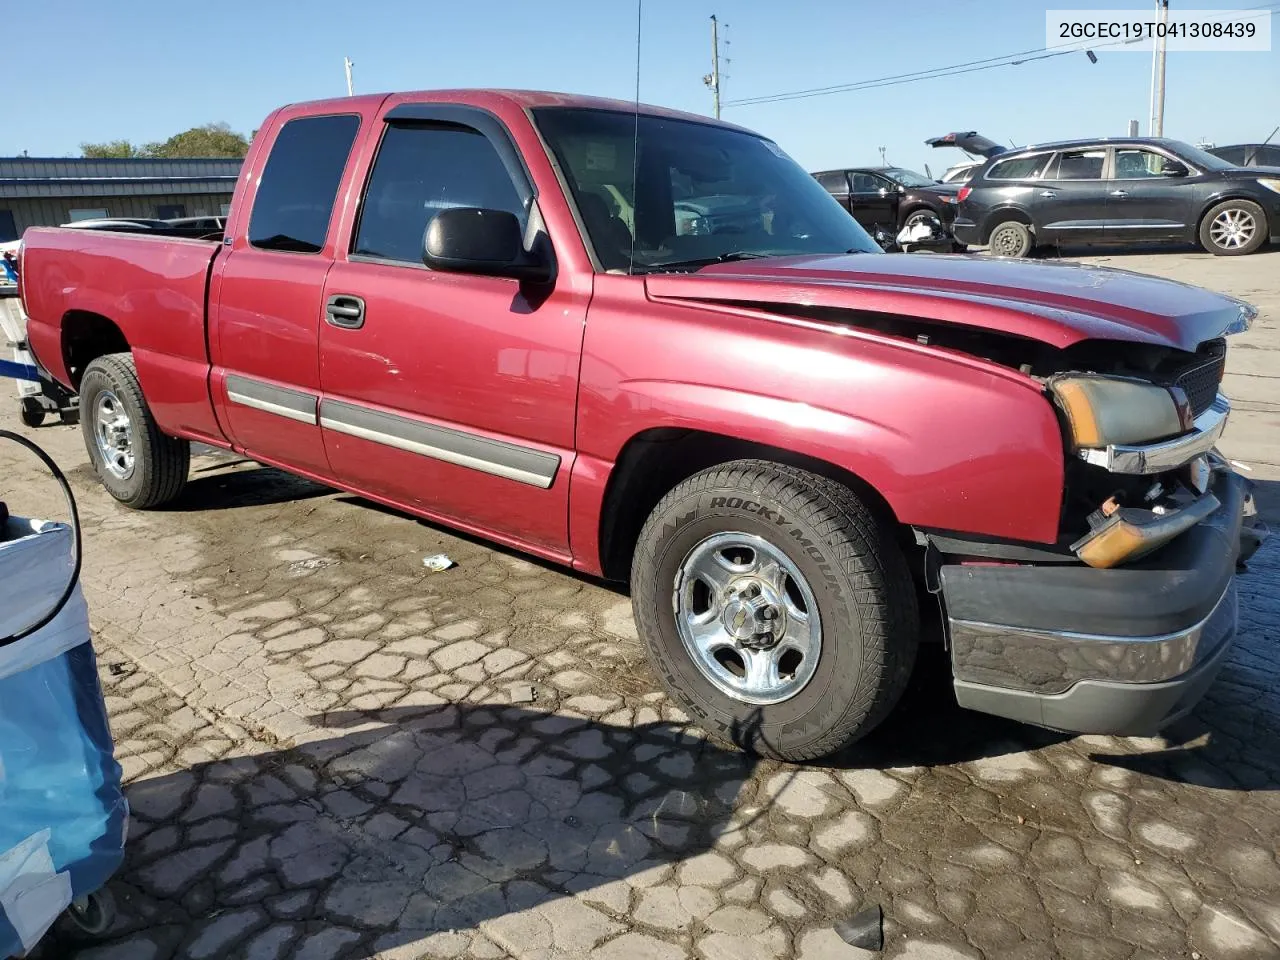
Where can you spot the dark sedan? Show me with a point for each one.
(1118, 190)
(891, 198)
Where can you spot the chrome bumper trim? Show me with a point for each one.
(1167, 454)
(1051, 661)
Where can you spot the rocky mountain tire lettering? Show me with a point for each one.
(750, 506)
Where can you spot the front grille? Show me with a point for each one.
(1199, 380)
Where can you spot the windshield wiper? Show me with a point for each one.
(697, 262)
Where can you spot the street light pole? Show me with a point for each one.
(713, 79)
(347, 65)
(1157, 71)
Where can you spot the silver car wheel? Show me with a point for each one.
(748, 618)
(1232, 229)
(113, 431)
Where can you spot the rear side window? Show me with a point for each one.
(1019, 168)
(300, 183)
(1087, 165)
(421, 169)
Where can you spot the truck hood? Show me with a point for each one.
(1055, 303)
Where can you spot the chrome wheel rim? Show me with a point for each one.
(748, 618)
(1232, 229)
(113, 431)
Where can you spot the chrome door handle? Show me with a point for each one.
(343, 310)
(1048, 193)
(1119, 193)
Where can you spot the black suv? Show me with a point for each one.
(1117, 190)
(886, 199)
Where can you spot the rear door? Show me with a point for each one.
(1070, 201)
(836, 183)
(268, 288)
(1143, 202)
(451, 394)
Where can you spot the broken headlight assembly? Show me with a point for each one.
(1101, 411)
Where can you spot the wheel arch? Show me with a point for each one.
(1223, 197)
(656, 460)
(1004, 215)
(86, 336)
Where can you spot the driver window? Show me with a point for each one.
(867, 183)
(1138, 164)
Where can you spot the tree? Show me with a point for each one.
(210, 140)
(112, 149)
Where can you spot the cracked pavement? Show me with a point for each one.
(334, 753)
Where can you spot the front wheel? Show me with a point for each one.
(137, 464)
(1233, 228)
(777, 609)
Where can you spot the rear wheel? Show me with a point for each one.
(138, 464)
(1233, 228)
(1010, 239)
(776, 607)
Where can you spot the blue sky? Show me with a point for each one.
(143, 70)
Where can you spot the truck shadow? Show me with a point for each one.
(414, 825)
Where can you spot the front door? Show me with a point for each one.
(874, 202)
(1145, 202)
(266, 373)
(448, 393)
(1070, 200)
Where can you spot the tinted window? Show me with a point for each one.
(422, 169)
(1078, 165)
(909, 178)
(1231, 154)
(1019, 168)
(300, 183)
(834, 182)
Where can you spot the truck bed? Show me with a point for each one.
(154, 289)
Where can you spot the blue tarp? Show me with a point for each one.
(63, 815)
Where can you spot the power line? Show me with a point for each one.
(969, 66)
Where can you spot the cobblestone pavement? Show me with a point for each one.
(333, 753)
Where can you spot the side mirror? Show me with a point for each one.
(486, 242)
(1172, 168)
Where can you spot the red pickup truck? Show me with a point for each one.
(650, 346)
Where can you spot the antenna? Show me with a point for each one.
(1270, 135)
(347, 65)
(635, 145)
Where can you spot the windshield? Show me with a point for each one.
(1200, 158)
(695, 194)
(909, 178)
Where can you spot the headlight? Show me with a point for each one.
(1270, 183)
(1101, 411)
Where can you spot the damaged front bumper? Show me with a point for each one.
(1119, 651)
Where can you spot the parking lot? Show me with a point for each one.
(336, 753)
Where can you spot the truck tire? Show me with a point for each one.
(1012, 238)
(1233, 228)
(136, 463)
(777, 609)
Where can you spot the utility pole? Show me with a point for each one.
(1157, 71)
(347, 65)
(712, 79)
